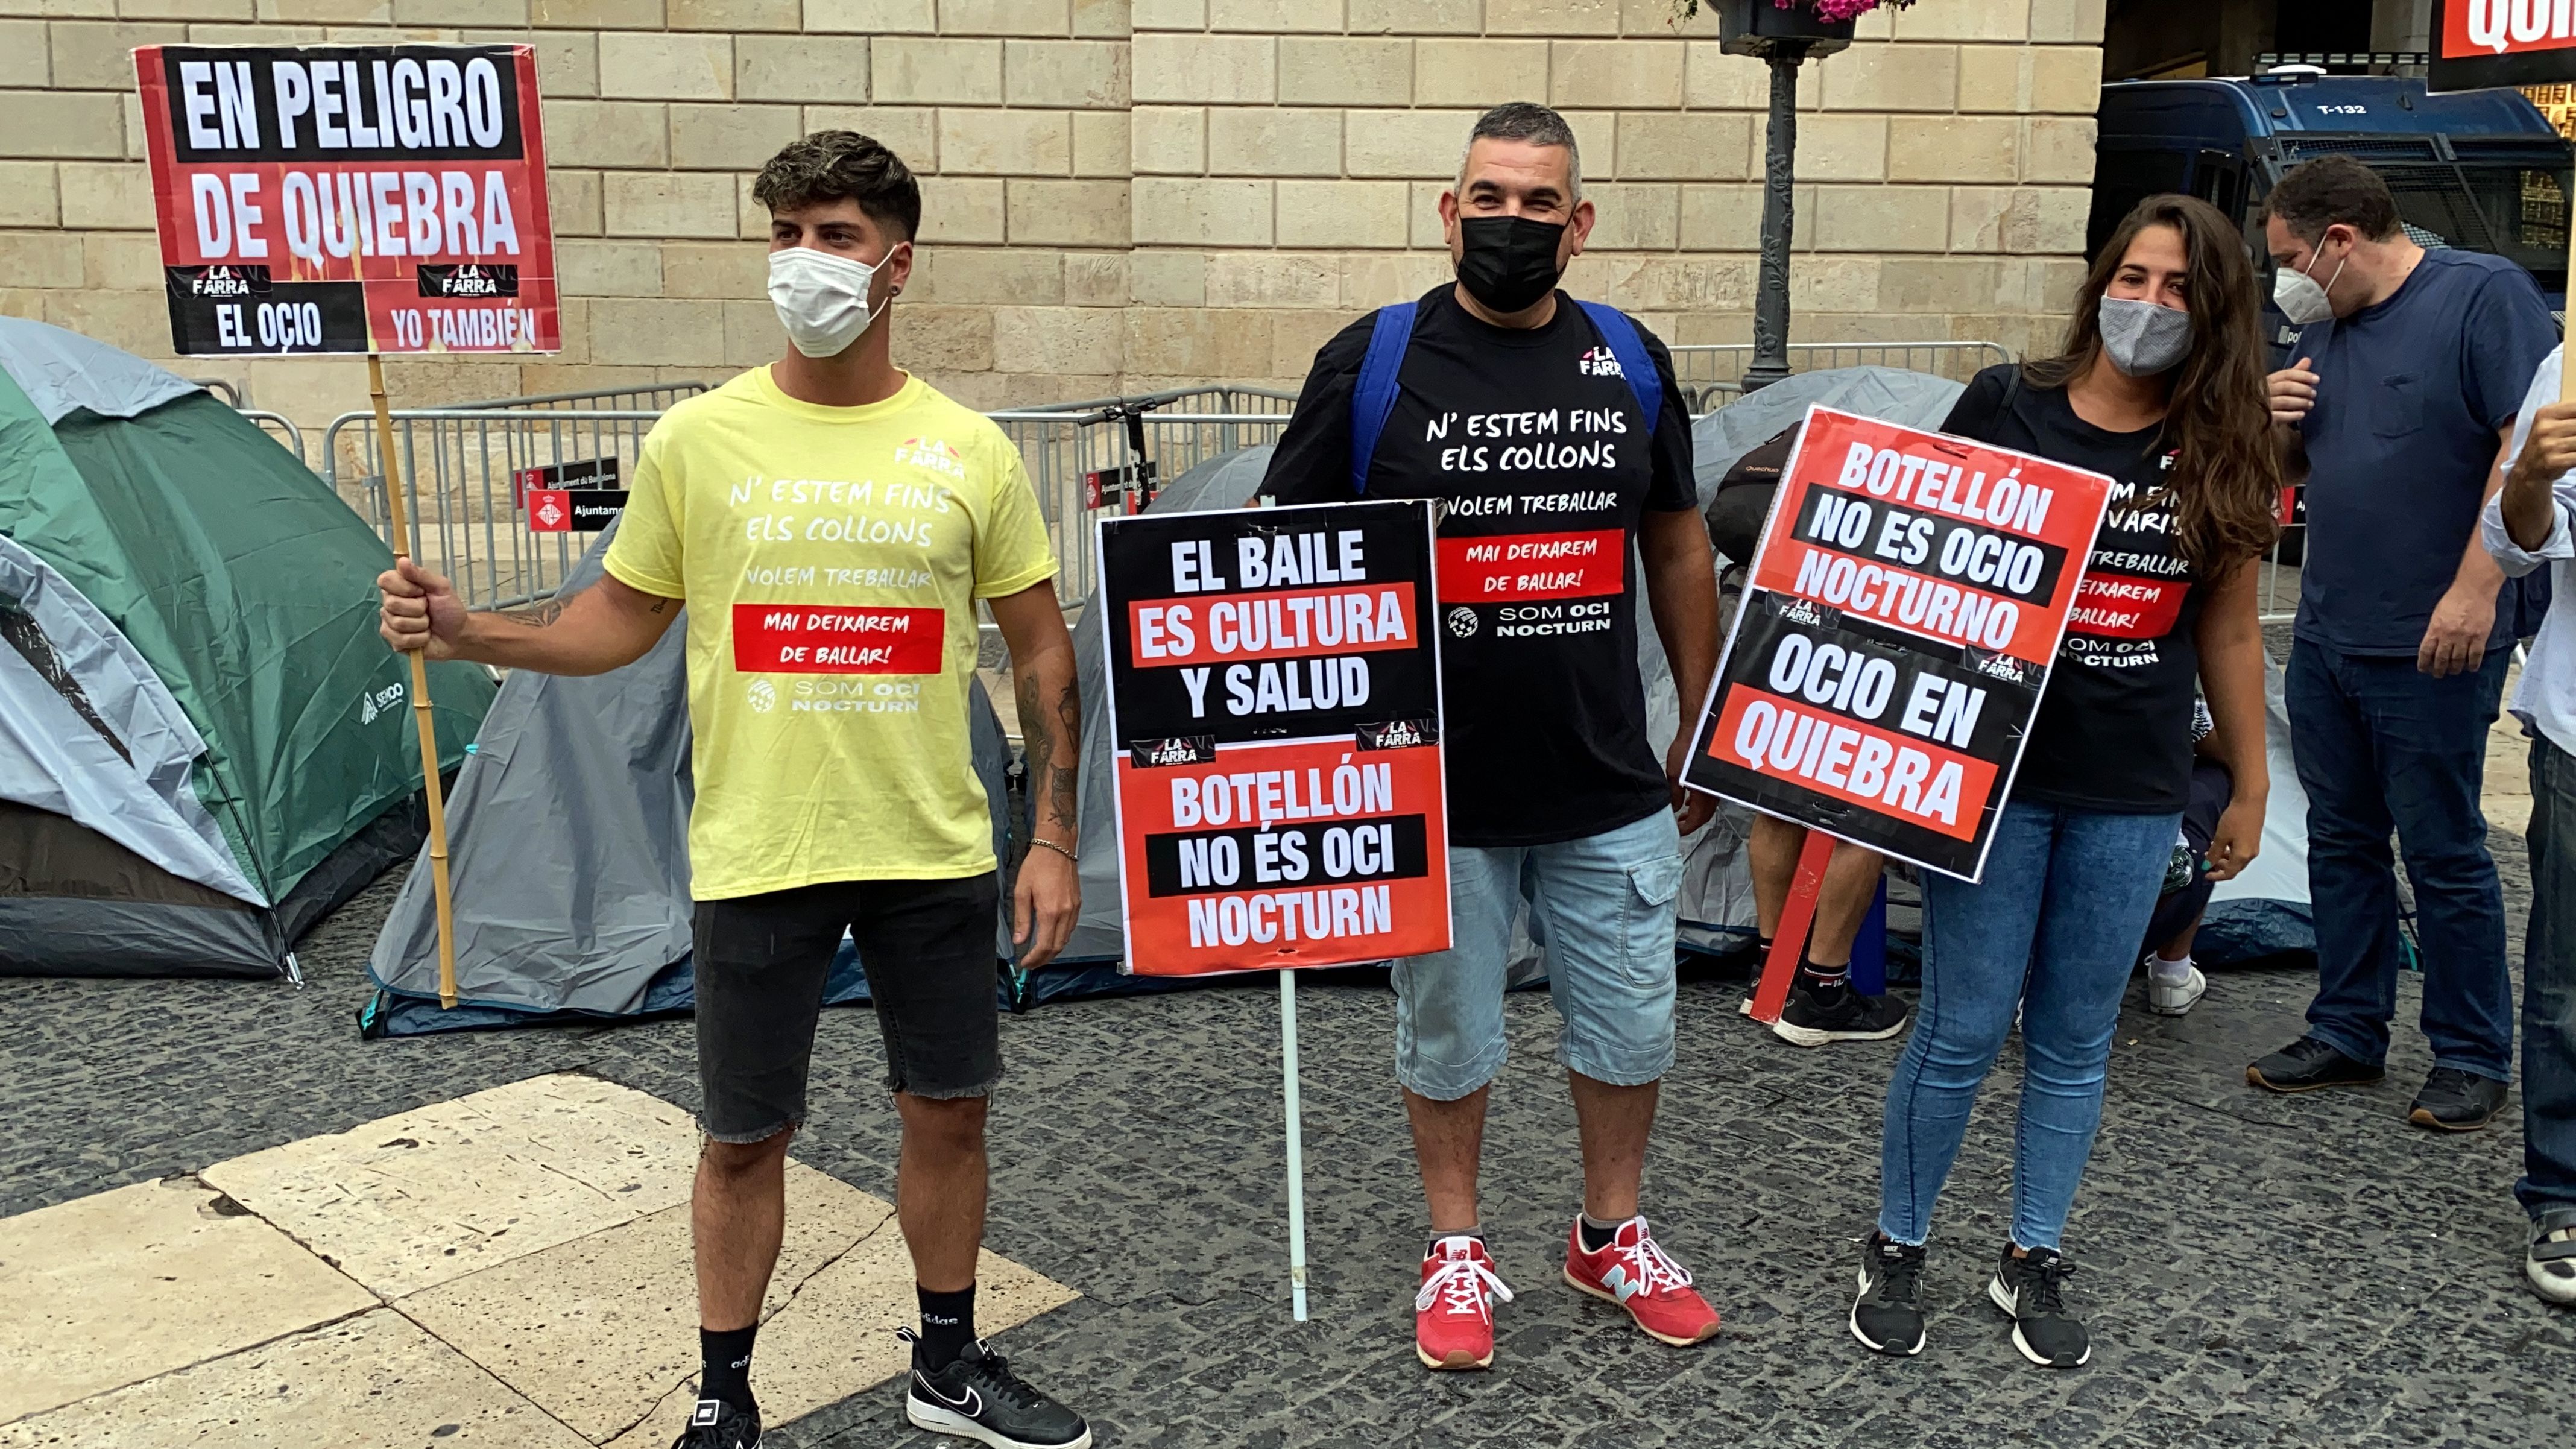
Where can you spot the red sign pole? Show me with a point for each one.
(1782, 967)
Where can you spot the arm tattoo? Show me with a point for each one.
(541, 613)
(1064, 800)
(1049, 782)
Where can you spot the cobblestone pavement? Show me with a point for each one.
(2257, 1270)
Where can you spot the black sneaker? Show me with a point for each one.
(978, 1397)
(2307, 1064)
(2457, 1101)
(1813, 1018)
(2033, 1290)
(715, 1424)
(1887, 1317)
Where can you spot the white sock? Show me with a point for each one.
(2169, 972)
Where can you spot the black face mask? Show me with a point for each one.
(1509, 262)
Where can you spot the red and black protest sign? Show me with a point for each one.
(2482, 43)
(350, 198)
(1274, 702)
(1902, 616)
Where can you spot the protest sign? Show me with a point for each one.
(1899, 625)
(1274, 711)
(350, 198)
(2481, 43)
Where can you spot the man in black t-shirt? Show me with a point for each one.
(1509, 405)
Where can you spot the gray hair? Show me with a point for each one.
(1530, 122)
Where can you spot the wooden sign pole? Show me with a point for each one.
(387, 466)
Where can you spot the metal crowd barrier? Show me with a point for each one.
(461, 483)
(1085, 460)
(283, 427)
(277, 424)
(462, 468)
(1112, 455)
(1712, 373)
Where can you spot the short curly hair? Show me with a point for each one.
(2328, 190)
(842, 166)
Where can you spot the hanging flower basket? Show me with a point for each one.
(1757, 27)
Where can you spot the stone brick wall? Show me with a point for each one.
(1125, 193)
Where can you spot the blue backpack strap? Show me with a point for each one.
(1373, 399)
(1620, 336)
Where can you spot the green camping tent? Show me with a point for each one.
(204, 747)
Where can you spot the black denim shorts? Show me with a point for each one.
(928, 949)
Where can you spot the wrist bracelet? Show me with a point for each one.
(1064, 851)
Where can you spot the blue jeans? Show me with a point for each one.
(2381, 747)
(2549, 989)
(1601, 908)
(2053, 930)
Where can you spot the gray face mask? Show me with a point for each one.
(2142, 338)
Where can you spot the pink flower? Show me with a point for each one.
(1834, 11)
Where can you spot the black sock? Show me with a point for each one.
(1596, 1234)
(1433, 1248)
(1824, 978)
(947, 1325)
(727, 1371)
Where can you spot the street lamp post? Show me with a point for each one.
(1783, 36)
(1779, 218)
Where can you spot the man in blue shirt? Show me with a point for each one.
(2412, 365)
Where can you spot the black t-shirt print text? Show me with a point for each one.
(1532, 444)
(2113, 731)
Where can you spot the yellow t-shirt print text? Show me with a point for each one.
(831, 559)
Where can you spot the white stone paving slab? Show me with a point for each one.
(116, 1287)
(369, 1382)
(428, 1196)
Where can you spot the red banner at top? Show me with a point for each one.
(2481, 29)
(382, 198)
(1959, 542)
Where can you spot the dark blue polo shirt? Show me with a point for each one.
(2411, 395)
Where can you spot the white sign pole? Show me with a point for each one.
(1296, 1146)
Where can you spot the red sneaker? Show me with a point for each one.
(1633, 1272)
(1453, 1315)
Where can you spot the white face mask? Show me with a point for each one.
(822, 300)
(2300, 298)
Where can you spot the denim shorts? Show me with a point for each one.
(1601, 910)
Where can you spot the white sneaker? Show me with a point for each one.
(2174, 998)
(2551, 1263)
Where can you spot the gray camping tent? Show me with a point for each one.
(2265, 911)
(568, 832)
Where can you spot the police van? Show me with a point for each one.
(2481, 170)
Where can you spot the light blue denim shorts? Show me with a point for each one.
(1602, 911)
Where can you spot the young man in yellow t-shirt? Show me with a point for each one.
(831, 523)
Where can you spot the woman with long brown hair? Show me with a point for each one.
(2161, 387)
